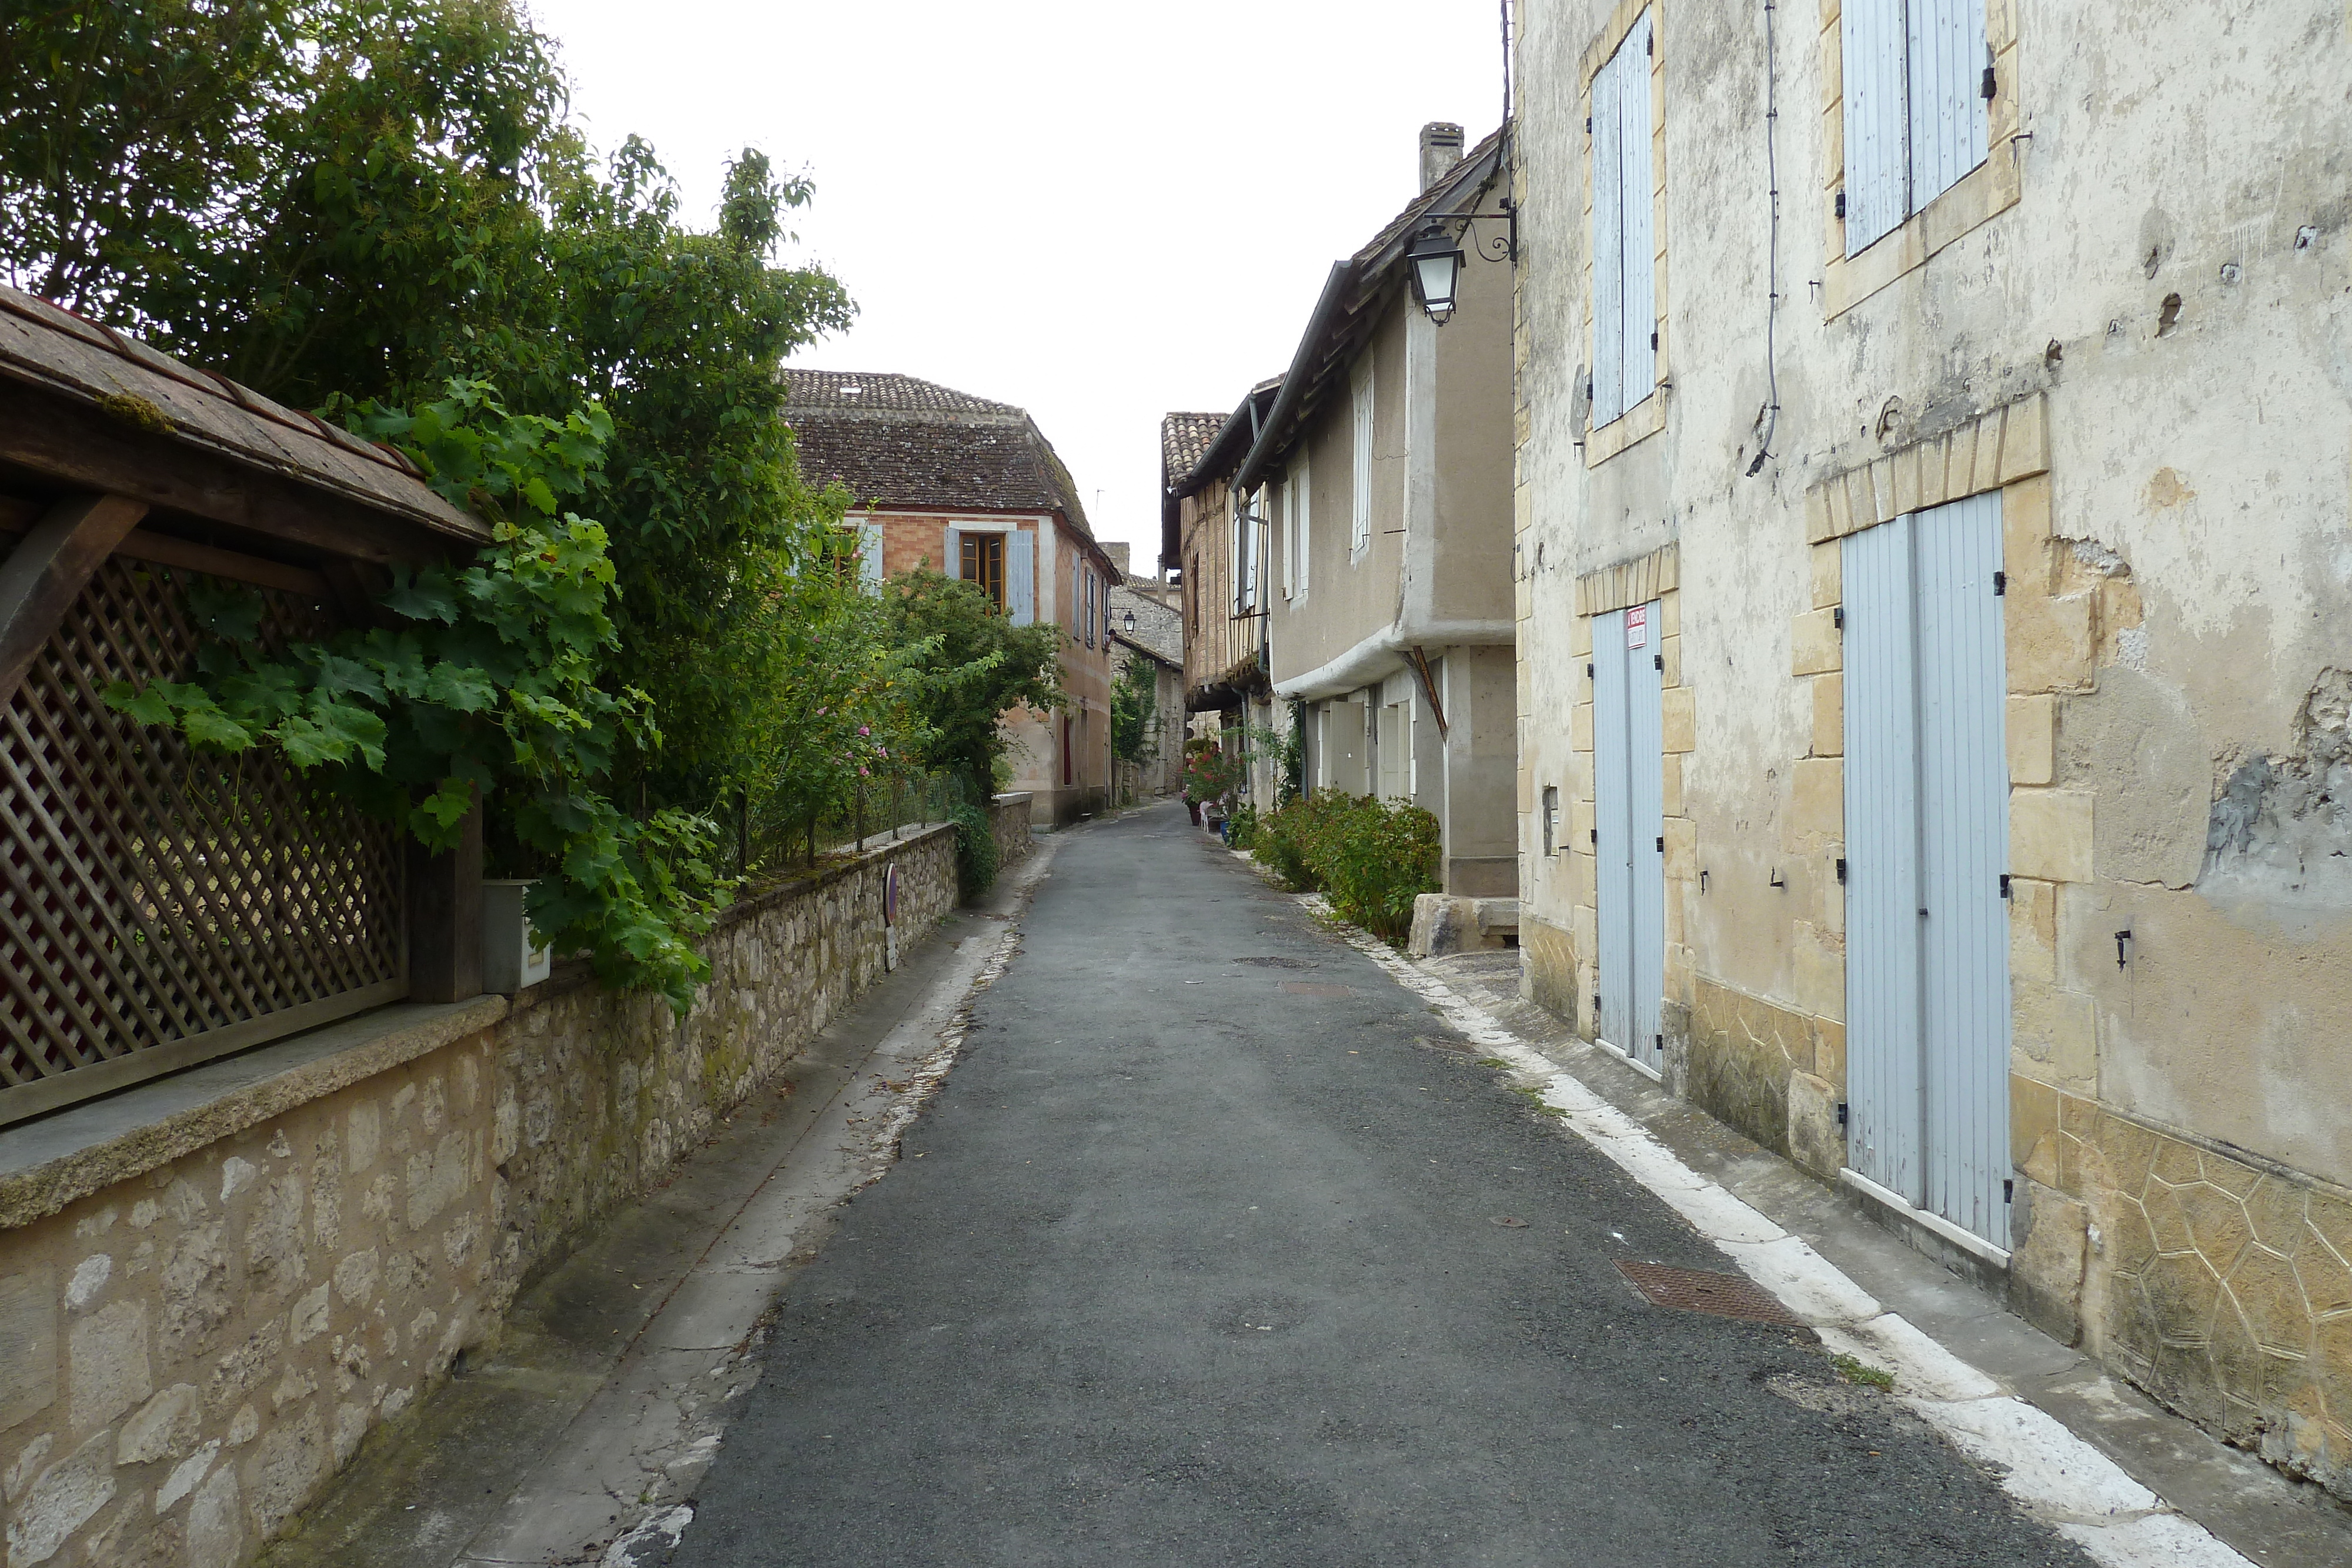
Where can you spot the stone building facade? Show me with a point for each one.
(1146, 628)
(1950, 459)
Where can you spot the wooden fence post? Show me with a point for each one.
(445, 917)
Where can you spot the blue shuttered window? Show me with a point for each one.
(1640, 196)
(1624, 230)
(1020, 577)
(1608, 250)
(1914, 106)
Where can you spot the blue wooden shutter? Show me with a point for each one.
(1645, 784)
(1021, 576)
(1608, 247)
(953, 565)
(1877, 118)
(1882, 845)
(1947, 59)
(1639, 220)
(869, 557)
(1963, 850)
(1612, 820)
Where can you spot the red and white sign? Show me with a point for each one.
(1637, 627)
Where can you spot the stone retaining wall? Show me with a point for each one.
(203, 1315)
(1009, 815)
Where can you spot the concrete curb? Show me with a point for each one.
(2055, 1476)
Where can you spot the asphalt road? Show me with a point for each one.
(1196, 1260)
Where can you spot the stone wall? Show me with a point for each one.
(2215, 1280)
(1009, 815)
(203, 1316)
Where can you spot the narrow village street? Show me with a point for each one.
(1217, 1247)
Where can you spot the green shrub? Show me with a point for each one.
(1378, 860)
(1279, 843)
(1370, 858)
(975, 848)
(1241, 827)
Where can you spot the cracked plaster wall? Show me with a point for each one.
(2173, 284)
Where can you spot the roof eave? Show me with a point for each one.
(1310, 365)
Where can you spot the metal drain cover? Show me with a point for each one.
(1278, 963)
(1695, 1291)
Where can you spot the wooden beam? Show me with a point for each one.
(46, 573)
(79, 448)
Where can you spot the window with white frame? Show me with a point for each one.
(1624, 229)
(1246, 526)
(1917, 77)
(1360, 527)
(1296, 498)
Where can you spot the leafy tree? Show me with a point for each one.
(845, 706)
(976, 666)
(340, 201)
(1135, 711)
(124, 129)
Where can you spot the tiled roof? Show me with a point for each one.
(1183, 441)
(1440, 193)
(917, 444)
(46, 347)
(1360, 290)
(857, 390)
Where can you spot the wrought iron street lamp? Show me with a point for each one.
(1436, 252)
(1436, 270)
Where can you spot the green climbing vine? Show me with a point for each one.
(484, 685)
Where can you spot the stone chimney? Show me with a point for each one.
(1441, 149)
(1119, 555)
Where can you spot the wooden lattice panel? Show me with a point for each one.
(158, 905)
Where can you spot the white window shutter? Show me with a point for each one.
(1640, 214)
(1302, 501)
(1877, 119)
(1946, 80)
(869, 557)
(1289, 539)
(953, 565)
(1608, 246)
(1360, 526)
(1021, 576)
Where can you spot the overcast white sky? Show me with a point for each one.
(1100, 210)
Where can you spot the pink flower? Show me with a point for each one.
(863, 774)
(863, 730)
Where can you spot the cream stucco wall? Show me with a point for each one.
(2147, 290)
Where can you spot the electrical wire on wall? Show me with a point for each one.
(1771, 248)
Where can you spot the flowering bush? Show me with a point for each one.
(1209, 774)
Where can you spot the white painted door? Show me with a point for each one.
(1928, 1005)
(1629, 828)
